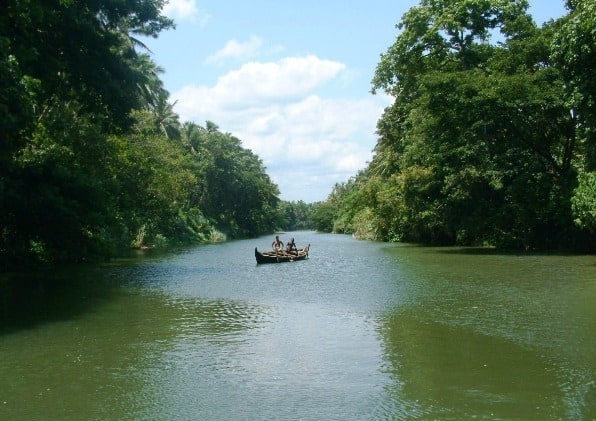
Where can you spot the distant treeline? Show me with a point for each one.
(486, 143)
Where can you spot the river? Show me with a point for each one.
(359, 331)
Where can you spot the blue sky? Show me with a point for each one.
(291, 79)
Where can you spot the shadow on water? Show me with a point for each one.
(489, 251)
(28, 299)
(31, 298)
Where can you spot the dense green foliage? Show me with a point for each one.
(485, 143)
(296, 216)
(93, 160)
(233, 188)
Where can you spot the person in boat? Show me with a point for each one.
(277, 244)
(291, 246)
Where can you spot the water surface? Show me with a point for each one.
(361, 330)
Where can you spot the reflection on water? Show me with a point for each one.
(362, 330)
(294, 361)
(495, 333)
(447, 370)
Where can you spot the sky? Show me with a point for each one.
(290, 79)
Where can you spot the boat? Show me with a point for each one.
(280, 256)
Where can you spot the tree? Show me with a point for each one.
(479, 146)
(166, 118)
(63, 95)
(99, 65)
(233, 188)
(296, 215)
(323, 216)
(574, 54)
(93, 158)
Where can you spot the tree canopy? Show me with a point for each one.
(490, 139)
(488, 142)
(93, 158)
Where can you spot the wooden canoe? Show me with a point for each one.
(280, 256)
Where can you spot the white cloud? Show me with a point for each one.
(308, 143)
(185, 10)
(287, 78)
(237, 50)
(243, 51)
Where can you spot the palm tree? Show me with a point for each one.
(191, 137)
(166, 119)
(149, 85)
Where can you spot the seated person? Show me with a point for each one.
(291, 245)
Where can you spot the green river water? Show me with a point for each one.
(359, 331)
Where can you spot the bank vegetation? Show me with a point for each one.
(490, 139)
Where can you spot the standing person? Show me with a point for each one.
(277, 243)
